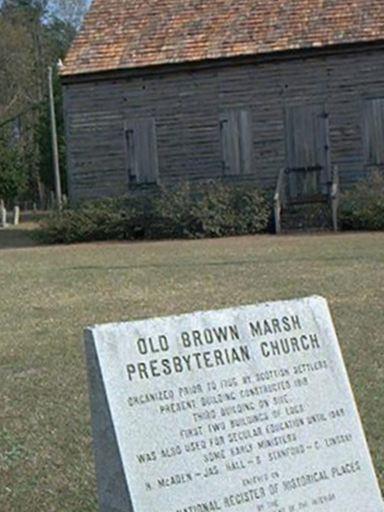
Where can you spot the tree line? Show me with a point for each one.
(34, 35)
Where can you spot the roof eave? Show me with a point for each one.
(295, 53)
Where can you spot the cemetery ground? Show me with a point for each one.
(49, 294)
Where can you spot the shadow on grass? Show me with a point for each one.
(163, 265)
(16, 238)
(267, 260)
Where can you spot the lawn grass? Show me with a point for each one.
(49, 294)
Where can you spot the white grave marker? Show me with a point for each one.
(241, 410)
(3, 217)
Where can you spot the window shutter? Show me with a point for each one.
(141, 149)
(131, 157)
(229, 144)
(245, 132)
(236, 142)
(374, 131)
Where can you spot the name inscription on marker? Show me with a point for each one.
(247, 409)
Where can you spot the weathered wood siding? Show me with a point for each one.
(187, 107)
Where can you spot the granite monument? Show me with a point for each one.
(241, 410)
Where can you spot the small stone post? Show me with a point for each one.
(3, 215)
(16, 216)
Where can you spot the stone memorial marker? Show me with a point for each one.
(3, 217)
(245, 410)
(16, 216)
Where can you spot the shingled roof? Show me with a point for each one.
(120, 34)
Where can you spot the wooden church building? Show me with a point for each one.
(159, 91)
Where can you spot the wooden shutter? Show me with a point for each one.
(374, 131)
(141, 151)
(130, 155)
(307, 148)
(245, 132)
(236, 142)
(302, 137)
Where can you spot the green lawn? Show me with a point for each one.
(49, 294)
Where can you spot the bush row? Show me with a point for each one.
(211, 209)
(208, 210)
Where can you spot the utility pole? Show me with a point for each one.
(55, 149)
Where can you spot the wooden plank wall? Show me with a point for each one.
(187, 106)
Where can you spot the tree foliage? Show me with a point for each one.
(13, 178)
(35, 34)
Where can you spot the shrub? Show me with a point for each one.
(214, 212)
(251, 209)
(208, 210)
(212, 209)
(362, 207)
(170, 213)
(99, 220)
